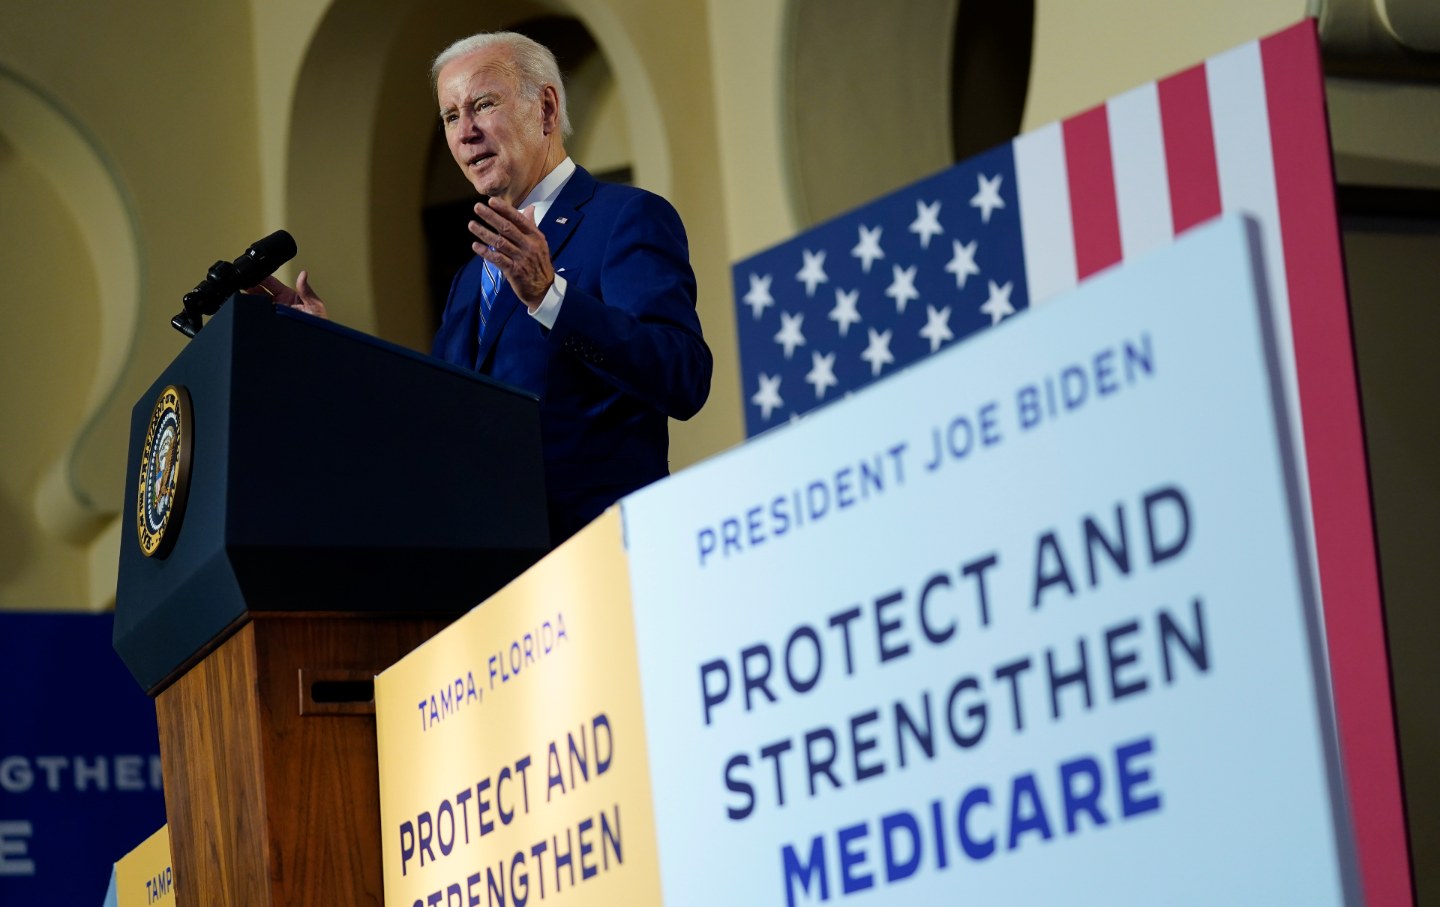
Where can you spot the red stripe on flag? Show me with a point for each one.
(1093, 212)
(1335, 455)
(1189, 148)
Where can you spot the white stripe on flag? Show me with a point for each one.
(1241, 120)
(1244, 160)
(1240, 117)
(1044, 192)
(1142, 185)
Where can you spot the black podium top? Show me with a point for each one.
(329, 471)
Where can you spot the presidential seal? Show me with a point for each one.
(164, 472)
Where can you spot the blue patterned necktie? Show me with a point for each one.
(489, 289)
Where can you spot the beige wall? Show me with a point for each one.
(50, 335)
(1087, 51)
(142, 118)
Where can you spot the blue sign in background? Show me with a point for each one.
(79, 759)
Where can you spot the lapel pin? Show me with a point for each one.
(562, 220)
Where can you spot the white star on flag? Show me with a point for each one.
(987, 198)
(768, 396)
(878, 352)
(937, 327)
(822, 373)
(790, 336)
(868, 248)
(846, 310)
(962, 264)
(902, 286)
(927, 221)
(759, 296)
(813, 273)
(998, 305)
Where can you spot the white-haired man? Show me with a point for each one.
(609, 337)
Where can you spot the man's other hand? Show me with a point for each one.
(302, 296)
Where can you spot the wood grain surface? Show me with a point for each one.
(269, 800)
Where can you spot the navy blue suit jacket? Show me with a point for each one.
(626, 352)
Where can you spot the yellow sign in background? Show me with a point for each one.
(513, 764)
(144, 877)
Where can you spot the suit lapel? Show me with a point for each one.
(560, 223)
(565, 215)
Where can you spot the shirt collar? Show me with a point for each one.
(548, 189)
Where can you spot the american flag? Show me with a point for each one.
(865, 294)
(912, 273)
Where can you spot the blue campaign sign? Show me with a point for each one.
(1029, 622)
(79, 759)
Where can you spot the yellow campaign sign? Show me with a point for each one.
(144, 877)
(513, 762)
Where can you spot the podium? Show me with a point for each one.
(306, 504)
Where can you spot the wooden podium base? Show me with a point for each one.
(272, 790)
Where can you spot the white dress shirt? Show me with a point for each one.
(542, 197)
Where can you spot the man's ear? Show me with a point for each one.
(549, 109)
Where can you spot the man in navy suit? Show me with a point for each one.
(580, 292)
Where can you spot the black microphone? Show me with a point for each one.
(226, 278)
